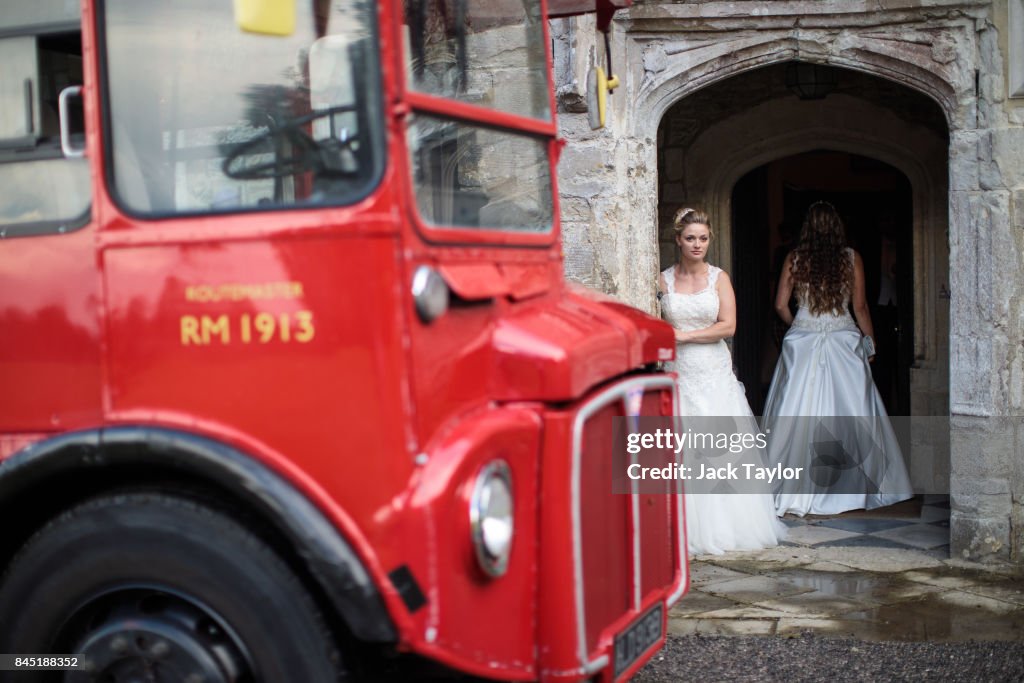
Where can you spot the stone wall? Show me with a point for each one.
(609, 226)
(953, 52)
(987, 326)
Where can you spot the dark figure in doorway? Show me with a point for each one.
(886, 316)
(772, 343)
(787, 240)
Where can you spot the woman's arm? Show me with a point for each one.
(662, 290)
(860, 303)
(785, 290)
(725, 326)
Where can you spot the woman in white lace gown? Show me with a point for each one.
(697, 299)
(823, 410)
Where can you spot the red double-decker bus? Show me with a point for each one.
(293, 388)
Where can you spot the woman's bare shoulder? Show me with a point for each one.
(719, 277)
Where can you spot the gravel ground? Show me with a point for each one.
(814, 658)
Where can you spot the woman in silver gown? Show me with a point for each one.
(823, 411)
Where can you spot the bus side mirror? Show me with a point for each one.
(269, 17)
(598, 87)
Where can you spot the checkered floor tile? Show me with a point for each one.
(921, 523)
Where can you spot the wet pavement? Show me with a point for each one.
(873, 576)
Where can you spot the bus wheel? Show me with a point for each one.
(146, 586)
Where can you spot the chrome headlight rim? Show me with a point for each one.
(494, 565)
(429, 293)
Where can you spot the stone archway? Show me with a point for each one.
(738, 138)
(727, 152)
(608, 179)
(948, 52)
(838, 128)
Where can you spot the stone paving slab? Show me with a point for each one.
(749, 561)
(926, 620)
(956, 598)
(754, 588)
(726, 627)
(707, 572)
(745, 612)
(862, 575)
(696, 602)
(930, 513)
(1012, 593)
(864, 526)
(865, 541)
(818, 604)
(882, 560)
(791, 626)
(914, 597)
(942, 579)
(925, 536)
(812, 535)
(825, 566)
(907, 591)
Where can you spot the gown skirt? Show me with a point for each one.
(720, 522)
(824, 414)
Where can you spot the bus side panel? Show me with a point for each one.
(50, 355)
(293, 344)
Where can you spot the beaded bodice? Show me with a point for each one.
(688, 312)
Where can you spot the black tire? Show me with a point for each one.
(184, 588)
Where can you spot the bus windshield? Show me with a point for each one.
(206, 118)
(484, 52)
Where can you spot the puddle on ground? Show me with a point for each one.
(933, 619)
(845, 584)
(940, 605)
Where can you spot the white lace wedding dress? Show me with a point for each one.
(716, 522)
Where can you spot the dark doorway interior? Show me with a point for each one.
(874, 200)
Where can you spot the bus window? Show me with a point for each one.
(474, 177)
(40, 190)
(206, 118)
(485, 52)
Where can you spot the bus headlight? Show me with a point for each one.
(429, 293)
(491, 517)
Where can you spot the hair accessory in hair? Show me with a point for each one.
(823, 203)
(681, 215)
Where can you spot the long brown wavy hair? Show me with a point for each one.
(822, 270)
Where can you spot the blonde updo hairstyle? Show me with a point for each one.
(685, 217)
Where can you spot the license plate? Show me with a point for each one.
(638, 639)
